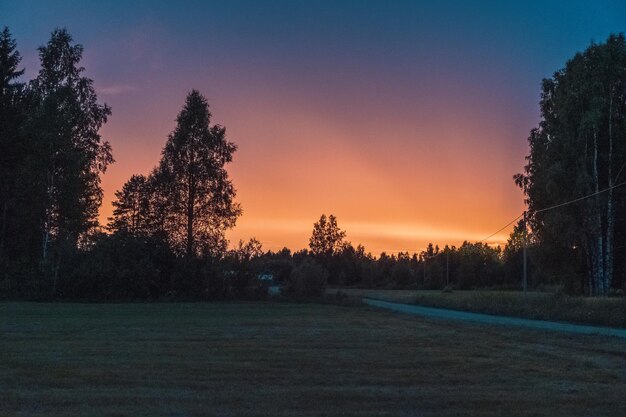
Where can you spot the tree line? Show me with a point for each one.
(52, 156)
(166, 236)
(578, 150)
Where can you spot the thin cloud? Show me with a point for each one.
(116, 89)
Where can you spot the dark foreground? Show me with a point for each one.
(293, 359)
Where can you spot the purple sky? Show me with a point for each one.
(406, 120)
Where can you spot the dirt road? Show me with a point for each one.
(441, 313)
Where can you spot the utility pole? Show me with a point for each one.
(448, 268)
(525, 282)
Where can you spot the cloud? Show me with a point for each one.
(115, 89)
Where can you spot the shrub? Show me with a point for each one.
(307, 280)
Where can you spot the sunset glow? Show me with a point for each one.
(405, 122)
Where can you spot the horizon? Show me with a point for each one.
(406, 128)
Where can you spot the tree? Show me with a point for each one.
(512, 256)
(307, 280)
(131, 213)
(242, 263)
(327, 237)
(246, 252)
(199, 194)
(577, 150)
(67, 154)
(478, 266)
(11, 119)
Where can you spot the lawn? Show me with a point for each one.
(280, 359)
(533, 305)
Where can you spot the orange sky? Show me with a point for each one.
(405, 119)
(395, 181)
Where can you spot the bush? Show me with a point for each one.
(342, 298)
(307, 280)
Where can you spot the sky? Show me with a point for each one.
(404, 119)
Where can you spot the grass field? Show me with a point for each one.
(279, 359)
(533, 305)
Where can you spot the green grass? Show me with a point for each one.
(279, 359)
(534, 305)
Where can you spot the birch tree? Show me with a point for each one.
(577, 150)
(67, 150)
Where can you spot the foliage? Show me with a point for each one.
(188, 200)
(307, 280)
(11, 153)
(52, 158)
(200, 197)
(167, 235)
(64, 126)
(578, 149)
(327, 237)
(131, 214)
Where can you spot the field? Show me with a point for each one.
(533, 305)
(280, 359)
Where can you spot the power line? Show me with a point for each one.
(543, 210)
(502, 228)
(524, 214)
(620, 171)
(557, 206)
(580, 198)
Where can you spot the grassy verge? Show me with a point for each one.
(281, 359)
(543, 306)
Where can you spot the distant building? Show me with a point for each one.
(267, 279)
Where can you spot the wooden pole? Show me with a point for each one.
(448, 268)
(525, 281)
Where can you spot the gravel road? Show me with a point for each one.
(441, 313)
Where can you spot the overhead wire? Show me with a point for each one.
(566, 203)
(501, 229)
(576, 200)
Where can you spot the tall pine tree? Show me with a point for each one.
(11, 149)
(198, 191)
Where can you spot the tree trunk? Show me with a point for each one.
(46, 239)
(598, 247)
(47, 221)
(610, 209)
(56, 276)
(191, 199)
(589, 261)
(189, 228)
(608, 255)
(3, 232)
(600, 264)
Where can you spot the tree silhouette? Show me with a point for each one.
(577, 150)
(200, 194)
(327, 237)
(11, 118)
(67, 154)
(65, 125)
(131, 213)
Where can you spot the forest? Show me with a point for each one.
(166, 239)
